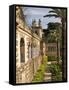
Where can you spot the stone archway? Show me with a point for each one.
(22, 50)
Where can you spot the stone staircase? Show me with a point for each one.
(48, 74)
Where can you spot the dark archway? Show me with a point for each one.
(22, 50)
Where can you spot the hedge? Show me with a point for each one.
(52, 58)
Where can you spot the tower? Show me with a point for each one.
(37, 28)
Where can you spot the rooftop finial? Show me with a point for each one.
(39, 23)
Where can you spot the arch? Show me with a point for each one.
(22, 50)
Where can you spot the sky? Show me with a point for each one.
(36, 13)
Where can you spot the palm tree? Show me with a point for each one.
(61, 13)
(58, 13)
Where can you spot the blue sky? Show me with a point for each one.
(32, 13)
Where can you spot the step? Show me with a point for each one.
(47, 78)
(54, 62)
(48, 63)
(48, 74)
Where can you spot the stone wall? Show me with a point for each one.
(26, 72)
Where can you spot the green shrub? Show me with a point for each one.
(55, 70)
(45, 59)
(40, 73)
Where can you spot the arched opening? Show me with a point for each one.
(22, 50)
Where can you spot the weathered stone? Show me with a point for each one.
(26, 64)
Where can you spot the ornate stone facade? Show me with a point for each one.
(28, 51)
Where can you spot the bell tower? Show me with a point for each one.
(37, 27)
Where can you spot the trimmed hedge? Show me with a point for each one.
(52, 58)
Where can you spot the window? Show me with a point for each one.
(22, 50)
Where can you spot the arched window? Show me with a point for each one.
(22, 50)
